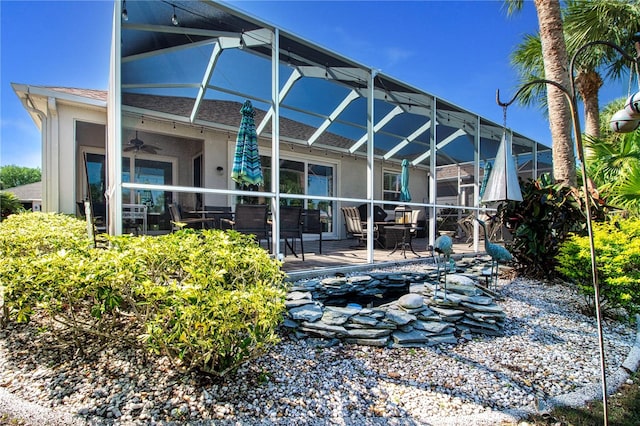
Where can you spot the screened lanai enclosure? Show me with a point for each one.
(331, 132)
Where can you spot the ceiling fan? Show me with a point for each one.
(139, 145)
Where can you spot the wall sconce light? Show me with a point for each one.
(220, 170)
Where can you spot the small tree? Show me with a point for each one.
(12, 176)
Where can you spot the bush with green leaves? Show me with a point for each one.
(36, 249)
(547, 215)
(9, 204)
(617, 247)
(539, 223)
(220, 299)
(210, 300)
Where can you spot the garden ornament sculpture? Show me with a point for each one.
(444, 247)
(498, 254)
(619, 123)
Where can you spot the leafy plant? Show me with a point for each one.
(614, 165)
(210, 300)
(618, 264)
(541, 222)
(9, 204)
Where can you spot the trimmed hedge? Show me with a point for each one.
(209, 299)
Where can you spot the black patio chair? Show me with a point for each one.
(312, 224)
(252, 219)
(222, 215)
(291, 228)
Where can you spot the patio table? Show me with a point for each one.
(405, 231)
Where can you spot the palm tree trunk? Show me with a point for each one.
(588, 84)
(554, 54)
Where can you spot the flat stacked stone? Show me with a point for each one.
(415, 319)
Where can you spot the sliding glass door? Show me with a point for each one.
(306, 177)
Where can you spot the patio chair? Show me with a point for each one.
(413, 232)
(311, 224)
(252, 219)
(356, 227)
(222, 215)
(466, 224)
(178, 222)
(291, 228)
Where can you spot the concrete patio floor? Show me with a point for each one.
(341, 255)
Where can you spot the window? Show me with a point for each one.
(390, 188)
(149, 171)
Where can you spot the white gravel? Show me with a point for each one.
(549, 351)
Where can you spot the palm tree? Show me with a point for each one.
(615, 163)
(555, 60)
(585, 21)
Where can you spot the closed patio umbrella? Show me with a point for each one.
(503, 182)
(404, 182)
(247, 169)
(485, 178)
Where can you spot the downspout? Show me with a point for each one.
(53, 181)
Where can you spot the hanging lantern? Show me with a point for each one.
(632, 106)
(623, 122)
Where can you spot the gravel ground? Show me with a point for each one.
(549, 351)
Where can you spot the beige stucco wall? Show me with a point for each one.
(67, 155)
(184, 142)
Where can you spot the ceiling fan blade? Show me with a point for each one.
(129, 148)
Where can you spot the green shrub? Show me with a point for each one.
(221, 300)
(209, 299)
(35, 233)
(35, 249)
(9, 204)
(617, 249)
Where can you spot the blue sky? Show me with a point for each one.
(456, 50)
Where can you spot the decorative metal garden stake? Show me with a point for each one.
(571, 95)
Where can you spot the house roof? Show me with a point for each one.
(99, 95)
(28, 192)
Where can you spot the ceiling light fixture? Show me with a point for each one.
(174, 18)
(125, 15)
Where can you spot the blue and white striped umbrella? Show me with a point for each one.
(247, 169)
